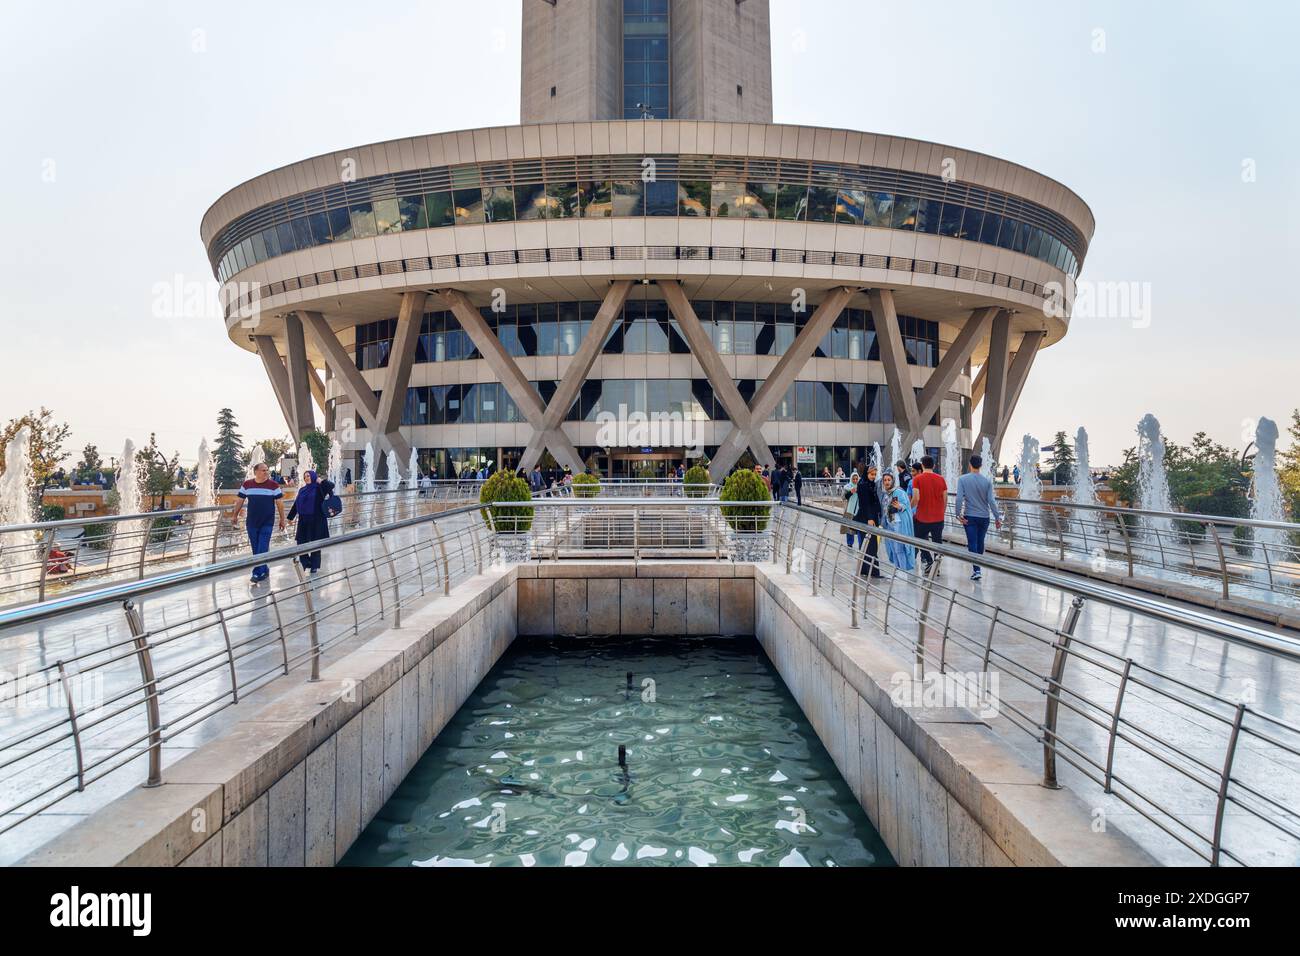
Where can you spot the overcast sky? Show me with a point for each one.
(123, 121)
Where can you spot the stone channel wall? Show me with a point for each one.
(296, 782)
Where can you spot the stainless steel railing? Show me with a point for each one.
(630, 488)
(57, 556)
(1241, 558)
(1183, 721)
(103, 684)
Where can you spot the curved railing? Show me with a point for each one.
(1241, 558)
(1183, 721)
(56, 556)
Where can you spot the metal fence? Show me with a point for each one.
(1239, 557)
(56, 556)
(1183, 720)
(107, 681)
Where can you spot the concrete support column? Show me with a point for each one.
(611, 309)
(954, 360)
(304, 418)
(1017, 375)
(512, 379)
(279, 377)
(392, 397)
(994, 374)
(893, 356)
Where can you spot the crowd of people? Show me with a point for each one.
(911, 501)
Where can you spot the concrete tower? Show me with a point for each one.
(587, 60)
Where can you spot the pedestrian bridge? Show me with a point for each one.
(1039, 716)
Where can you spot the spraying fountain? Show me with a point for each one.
(1031, 486)
(205, 496)
(394, 473)
(1266, 501)
(413, 471)
(986, 456)
(334, 468)
(368, 482)
(306, 462)
(257, 457)
(16, 508)
(895, 451)
(1085, 493)
(1153, 482)
(951, 454)
(917, 452)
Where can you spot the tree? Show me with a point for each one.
(1204, 477)
(229, 452)
(319, 443)
(158, 470)
(91, 464)
(274, 449)
(46, 444)
(1288, 467)
(1062, 461)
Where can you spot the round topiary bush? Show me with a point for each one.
(746, 486)
(505, 486)
(586, 486)
(696, 481)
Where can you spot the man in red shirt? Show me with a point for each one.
(929, 502)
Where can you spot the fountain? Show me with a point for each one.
(16, 508)
(876, 458)
(1031, 487)
(986, 456)
(394, 473)
(917, 452)
(895, 450)
(367, 483)
(1084, 492)
(255, 458)
(1266, 502)
(951, 454)
(334, 467)
(129, 496)
(1153, 482)
(205, 496)
(306, 461)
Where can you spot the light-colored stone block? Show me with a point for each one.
(636, 599)
(372, 760)
(571, 606)
(702, 606)
(321, 802)
(735, 606)
(604, 606)
(244, 838)
(537, 606)
(286, 819)
(669, 607)
(348, 775)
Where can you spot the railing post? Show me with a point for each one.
(446, 565)
(392, 570)
(312, 634)
(152, 711)
(230, 655)
(146, 532)
(1224, 780)
(817, 563)
(43, 546)
(76, 730)
(636, 533)
(1128, 541)
(1223, 561)
(1114, 724)
(924, 613)
(279, 624)
(1054, 680)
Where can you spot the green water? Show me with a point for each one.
(722, 767)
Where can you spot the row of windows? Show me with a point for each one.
(686, 399)
(735, 328)
(646, 57)
(636, 198)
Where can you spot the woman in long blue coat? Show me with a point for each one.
(309, 510)
(898, 518)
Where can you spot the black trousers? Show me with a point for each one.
(929, 531)
(870, 560)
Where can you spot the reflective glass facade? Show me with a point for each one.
(607, 186)
(647, 54)
(647, 328)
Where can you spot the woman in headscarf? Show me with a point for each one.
(310, 513)
(898, 518)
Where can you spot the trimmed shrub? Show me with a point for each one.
(746, 486)
(586, 486)
(506, 486)
(695, 483)
(53, 513)
(97, 535)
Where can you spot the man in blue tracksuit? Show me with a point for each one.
(265, 505)
(975, 504)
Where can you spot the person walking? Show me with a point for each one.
(898, 518)
(852, 537)
(535, 481)
(797, 484)
(866, 510)
(265, 503)
(929, 503)
(780, 484)
(312, 519)
(975, 504)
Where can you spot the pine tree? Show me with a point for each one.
(1288, 467)
(229, 451)
(1062, 460)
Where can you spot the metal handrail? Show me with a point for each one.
(1143, 731)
